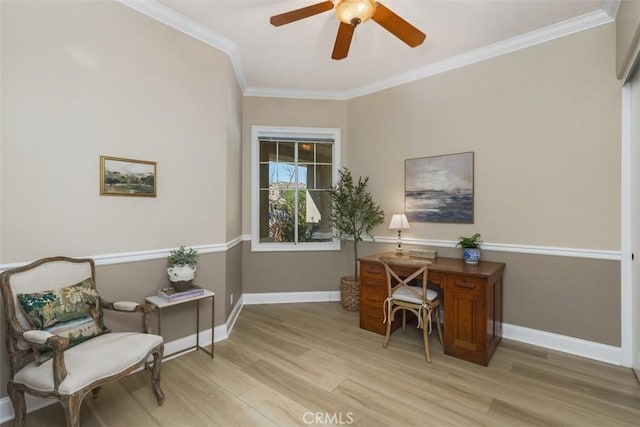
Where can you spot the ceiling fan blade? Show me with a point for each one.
(343, 41)
(305, 12)
(397, 26)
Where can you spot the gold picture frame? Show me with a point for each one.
(127, 177)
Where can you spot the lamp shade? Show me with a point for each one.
(399, 222)
(359, 10)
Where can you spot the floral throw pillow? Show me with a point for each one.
(74, 312)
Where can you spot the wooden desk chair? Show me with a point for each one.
(416, 299)
(57, 342)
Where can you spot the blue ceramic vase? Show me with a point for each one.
(471, 255)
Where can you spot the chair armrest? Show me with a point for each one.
(36, 336)
(125, 306)
(55, 342)
(130, 307)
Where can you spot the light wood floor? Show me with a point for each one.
(310, 364)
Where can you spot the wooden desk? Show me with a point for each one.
(472, 303)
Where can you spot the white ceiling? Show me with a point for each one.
(295, 60)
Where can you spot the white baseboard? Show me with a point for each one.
(290, 297)
(33, 404)
(579, 347)
(575, 346)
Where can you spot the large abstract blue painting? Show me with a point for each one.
(439, 189)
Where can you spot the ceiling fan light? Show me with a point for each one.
(355, 11)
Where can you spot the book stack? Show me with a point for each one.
(423, 253)
(170, 294)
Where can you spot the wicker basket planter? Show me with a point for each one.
(350, 293)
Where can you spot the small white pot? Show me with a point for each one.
(181, 273)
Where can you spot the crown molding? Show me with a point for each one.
(611, 7)
(162, 13)
(271, 92)
(513, 44)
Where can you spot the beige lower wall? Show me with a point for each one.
(218, 272)
(233, 278)
(136, 280)
(294, 271)
(575, 297)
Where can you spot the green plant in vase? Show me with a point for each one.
(470, 248)
(182, 264)
(353, 215)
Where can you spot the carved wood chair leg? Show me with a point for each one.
(19, 405)
(155, 377)
(95, 392)
(71, 405)
(425, 334)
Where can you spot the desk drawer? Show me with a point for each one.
(470, 285)
(372, 298)
(373, 286)
(371, 317)
(436, 277)
(372, 270)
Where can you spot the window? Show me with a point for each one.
(293, 171)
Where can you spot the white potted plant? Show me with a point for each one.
(470, 248)
(182, 264)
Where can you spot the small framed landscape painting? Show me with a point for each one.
(127, 177)
(439, 189)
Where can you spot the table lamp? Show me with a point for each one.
(399, 222)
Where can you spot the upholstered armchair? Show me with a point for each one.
(57, 342)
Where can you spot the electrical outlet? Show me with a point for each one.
(231, 299)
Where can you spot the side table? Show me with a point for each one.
(160, 304)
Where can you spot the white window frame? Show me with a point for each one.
(289, 132)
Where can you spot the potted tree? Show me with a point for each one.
(182, 264)
(353, 214)
(470, 248)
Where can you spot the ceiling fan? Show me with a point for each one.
(352, 13)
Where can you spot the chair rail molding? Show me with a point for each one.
(124, 257)
(504, 247)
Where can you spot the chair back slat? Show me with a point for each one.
(391, 265)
